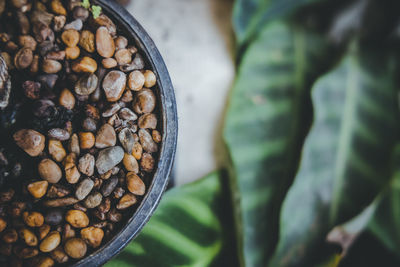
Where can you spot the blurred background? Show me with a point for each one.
(196, 41)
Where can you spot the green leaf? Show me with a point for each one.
(385, 224)
(191, 227)
(347, 156)
(249, 16)
(268, 117)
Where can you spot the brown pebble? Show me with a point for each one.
(72, 52)
(134, 184)
(86, 140)
(33, 219)
(123, 56)
(148, 121)
(126, 201)
(75, 248)
(56, 55)
(73, 145)
(56, 150)
(38, 189)
(3, 224)
(136, 80)
(68, 232)
(106, 136)
(137, 150)
(85, 64)
(28, 237)
(25, 252)
(120, 42)
(114, 84)
(59, 22)
(43, 262)
(86, 164)
(10, 236)
(109, 63)
(104, 43)
(51, 242)
(60, 202)
(23, 59)
(77, 218)
(130, 163)
(51, 66)
(59, 255)
(58, 8)
(87, 41)
(144, 101)
(59, 134)
(31, 141)
(27, 41)
(67, 99)
(93, 236)
(147, 162)
(49, 171)
(147, 141)
(70, 37)
(43, 231)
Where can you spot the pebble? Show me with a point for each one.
(84, 188)
(120, 42)
(86, 140)
(74, 25)
(38, 189)
(72, 173)
(77, 218)
(86, 85)
(137, 150)
(51, 242)
(93, 236)
(109, 186)
(48, 80)
(80, 13)
(86, 164)
(23, 59)
(87, 41)
(72, 52)
(59, 255)
(54, 217)
(127, 114)
(58, 8)
(60, 202)
(43, 231)
(3, 224)
(108, 158)
(147, 141)
(49, 171)
(59, 134)
(123, 56)
(106, 137)
(127, 96)
(59, 22)
(109, 63)
(144, 101)
(130, 163)
(31, 141)
(134, 184)
(126, 201)
(56, 55)
(92, 112)
(147, 162)
(156, 136)
(28, 237)
(151, 79)
(70, 37)
(57, 191)
(89, 125)
(85, 64)
(114, 84)
(27, 41)
(105, 21)
(148, 121)
(93, 200)
(50, 66)
(136, 80)
(114, 108)
(127, 140)
(73, 145)
(56, 150)
(33, 218)
(104, 43)
(75, 248)
(67, 99)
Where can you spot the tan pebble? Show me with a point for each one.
(87, 41)
(72, 173)
(104, 43)
(77, 218)
(58, 8)
(85, 64)
(23, 59)
(114, 84)
(68, 232)
(25, 252)
(134, 184)
(70, 37)
(49, 171)
(59, 255)
(28, 237)
(148, 121)
(93, 236)
(106, 136)
(130, 163)
(147, 162)
(137, 151)
(123, 56)
(126, 201)
(144, 101)
(150, 79)
(73, 145)
(31, 141)
(109, 63)
(3, 224)
(86, 140)
(27, 41)
(67, 99)
(44, 230)
(51, 242)
(38, 189)
(44, 262)
(56, 150)
(72, 52)
(75, 248)
(120, 42)
(51, 66)
(33, 219)
(136, 80)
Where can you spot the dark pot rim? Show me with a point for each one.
(168, 145)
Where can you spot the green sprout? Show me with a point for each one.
(86, 4)
(96, 11)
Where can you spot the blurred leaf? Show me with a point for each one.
(268, 116)
(249, 16)
(347, 155)
(191, 227)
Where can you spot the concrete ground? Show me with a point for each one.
(195, 38)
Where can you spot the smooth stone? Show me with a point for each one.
(108, 158)
(86, 85)
(127, 139)
(114, 84)
(84, 188)
(106, 136)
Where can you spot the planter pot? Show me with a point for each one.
(166, 98)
